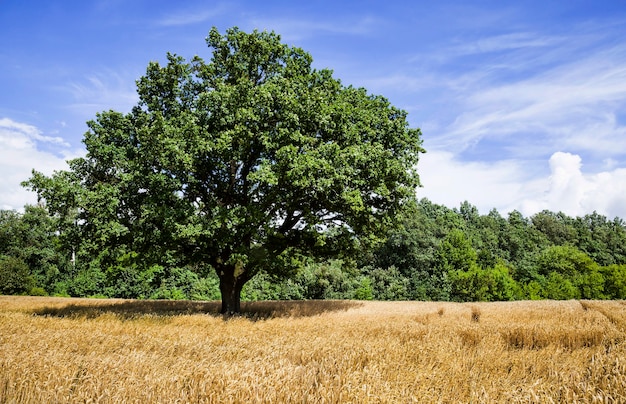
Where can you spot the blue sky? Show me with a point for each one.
(522, 104)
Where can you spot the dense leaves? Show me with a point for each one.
(436, 254)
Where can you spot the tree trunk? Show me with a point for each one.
(230, 288)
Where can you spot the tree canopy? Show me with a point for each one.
(434, 253)
(242, 164)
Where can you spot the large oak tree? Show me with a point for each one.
(242, 164)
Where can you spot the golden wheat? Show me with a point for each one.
(115, 351)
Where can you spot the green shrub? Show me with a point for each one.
(533, 290)
(388, 283)
(365, 290)
(615, 281)
(205, 288)
(15, 277)
(37, 291)
(558, 287)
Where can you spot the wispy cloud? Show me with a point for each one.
(190, 16)
(102, 90)
(505, 42)
(399, 82)
(572, 106)
(296, 29)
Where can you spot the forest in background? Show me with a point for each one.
(435, 253)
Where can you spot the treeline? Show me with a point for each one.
(436, 253)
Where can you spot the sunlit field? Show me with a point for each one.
(56, 350)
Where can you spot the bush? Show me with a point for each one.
(533, 290)
(206, 288)
(614, 281)
(557, 287)
(328, 280)
(15, 277)
(87, 282)
(491, 284)
(388, 284)
(38, 291)
(130, 278)
(364, 291)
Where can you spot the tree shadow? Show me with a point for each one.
(135, 309)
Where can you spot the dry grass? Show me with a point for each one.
(113, 351)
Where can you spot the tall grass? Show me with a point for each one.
(115, 351)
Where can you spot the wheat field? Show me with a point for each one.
(58, 350)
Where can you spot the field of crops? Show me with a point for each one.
(115, 351)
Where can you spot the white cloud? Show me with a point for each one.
(30, 133)
(518, 185)
(576, 193)
(449, 181)
(19, 154)
(516, 109)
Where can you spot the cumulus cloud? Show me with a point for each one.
(576, 193)
(518, 185)
(19, 154)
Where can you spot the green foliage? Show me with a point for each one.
(412, 249)
(365, 290)
(37, 291)
(184, 283)
(332, 279)
(205, 288)
(89, 281)
(131, 278)
(557, 227)
(456, 252)
(388, 283)
(615, 281)
(264, 287)
(590, 284)
(565, 260)
(15, 277)
(452, 254)
(573, 269)
(429, 241)
(31, 237)
(559, 287)
(603, 240)
(477, 284)
(328, 280)
(533, 290)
